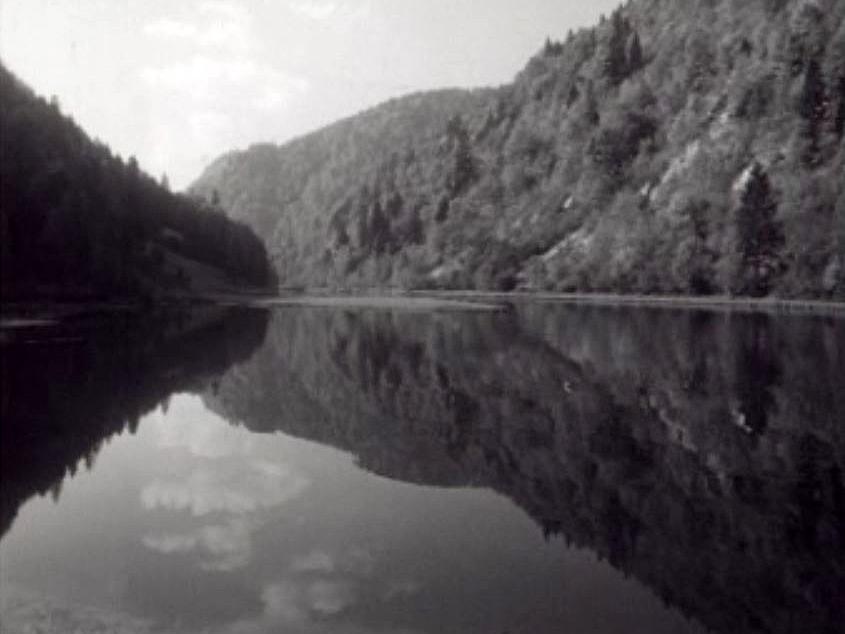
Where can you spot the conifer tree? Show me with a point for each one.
(635, 53)
(616, 60)
(702, 256)
(591, 106)
(759, 235)
(812, 108)
(378, 228)
(463, 170)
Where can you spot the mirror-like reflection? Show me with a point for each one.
(68, 387)
(541, 469)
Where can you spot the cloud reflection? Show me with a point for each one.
(294, 606)
(225, 547)
(227, 489)
(315, 561)
(239, 488)
(298, 604)
(226, 479)
(187, 424)
(330, 597)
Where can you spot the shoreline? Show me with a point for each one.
(720, 303)
(422, 300)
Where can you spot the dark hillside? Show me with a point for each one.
(78, 222)
(678, 147)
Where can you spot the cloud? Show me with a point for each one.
(324, 10)
(215, 80)
(225, 26)
(169, 28)
(314, 9)
(224, 9)
(206, 106)
(211, 86)
(221, 66)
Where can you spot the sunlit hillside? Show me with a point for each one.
(678, 147)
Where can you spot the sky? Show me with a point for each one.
(177, 83)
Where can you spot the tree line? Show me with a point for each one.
(76, 220)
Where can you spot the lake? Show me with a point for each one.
(424, 469)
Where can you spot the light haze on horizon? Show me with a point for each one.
(178, 84)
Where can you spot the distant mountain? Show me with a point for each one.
(679, 146)
(77, 222)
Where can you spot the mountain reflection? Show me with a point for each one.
(69, 388)
(701, 453)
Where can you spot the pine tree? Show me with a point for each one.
(378, 228)
(616, 59)
(759, 234)
(635, 53)
(463, 170)
(812, 107)
(839, 215)
(552, 49)
(702, 256)
(132, 167)
(591, 105)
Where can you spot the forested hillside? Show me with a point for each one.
(680, 146)
(78, 222)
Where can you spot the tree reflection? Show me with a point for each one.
(757, 373)
(67, 389)
(700, 453)
(618, 430)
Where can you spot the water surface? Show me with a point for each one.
(374, 470)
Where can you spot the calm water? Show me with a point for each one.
(338, 470)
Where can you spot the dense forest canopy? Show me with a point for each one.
(76, 221)
(680, 146)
